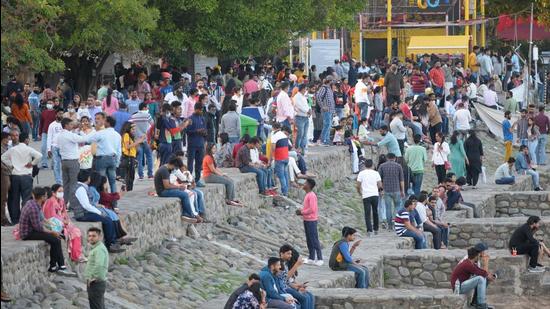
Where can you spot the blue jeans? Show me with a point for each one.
(199, 201)
(106, 224)
(393, 202)
(505, 180)
(419, 241)
(56, 159)
(325, 133)
(35, 124)
(195, 154)
(364, 109)
(523, 141)
(477, 282)
(260, 176)
(234, 139)
(445, 235)
(534, 176)
(44, 150)
(416, 179)
(302, 124)
(106, 166)
(145, 155)
(269, 183)
(541, 149)
(306, 299)
(361, 275)
(164, 152)
(416, 129)
(532, 145)
(281, 170)
(184, 198)
(312, 240)
(339, 112)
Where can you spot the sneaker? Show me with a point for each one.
(541, 267)
(140, 178)
(535, 269)
(308, 261)
(127, 240)
(319, 263)
(66, 273)
(116, 249)
(200, 184)
(53, 269)
(150, 177)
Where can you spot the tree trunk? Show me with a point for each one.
(82, 73)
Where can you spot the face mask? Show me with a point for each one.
(71, 110)
(262, 77)
(59, 195)
(49, 106)
(168, 114)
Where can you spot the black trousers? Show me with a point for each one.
(368, 204)
(96, 294)
(433, 130)
(472, 175)
(128, 171)
(56, 253)
(532, 250)
(19, 194)
(441, 173)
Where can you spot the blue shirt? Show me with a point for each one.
(391, 143)
(120, 117)
(108, 143)
(521, 162)
(165, 123)
(194, 137)
(506, 126)
(344, 250)
(133, 105)
(34, 102)
(166, 90)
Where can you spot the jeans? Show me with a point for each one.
(416, 179)
(70, 170)
(44, 150)
(505, 180)
(281, 170)
(164, 151)
(199, 201)
(436, 233)
(369, 203)
(305, 299)
(382, 210)
(269, 182)
(144, 153)
(35, 124)
(312, 240)
(106, 166)
(532, 145)
(56, 158)
(364, 109)
(416, 129)
(339, 112)
(56, 252)
(19, 194)
(186, 209)
(444, 235)
(393, 202)
(419, 240)
(534, 176)
(279, 304)
(541, 149)
(361, 275)
(107, 225)
(226, 181)
(302, 124)
(325, 133)
(195, 154)
(96, 294)
(523, 141)
(260, 176)
(477, 282)
(177, 145)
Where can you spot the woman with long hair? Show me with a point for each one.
(55, 207)
(439, 157)
(129, 151)
(110, 103)
(212, 174)
(251, 298)
(533, 134)
(474, 152)
(20, 110)
(457, 157)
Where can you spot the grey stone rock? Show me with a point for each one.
(404, 271)
(430, 266)
(426, 276)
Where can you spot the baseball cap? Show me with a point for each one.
(481, 247)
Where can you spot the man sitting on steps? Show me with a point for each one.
(404, 228)
(340, 258)
(524, 242)
(467, 276)
(504, 175)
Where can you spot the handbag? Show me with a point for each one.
(448, 165)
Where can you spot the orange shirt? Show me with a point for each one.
(206, 162)
(22, 114)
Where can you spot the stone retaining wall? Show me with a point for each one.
(495, 232)
(486, 204)
(517, 204)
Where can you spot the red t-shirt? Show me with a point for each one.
(206, 162)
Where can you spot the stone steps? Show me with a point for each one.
(387, 298)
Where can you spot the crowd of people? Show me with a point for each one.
(194, 124)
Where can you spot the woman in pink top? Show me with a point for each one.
(109, 104)
(310, 214)
(55, 207)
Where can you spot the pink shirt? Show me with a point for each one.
(189, 107)
(310, 211)
(250, 86)
(54, 208)
(109, 109)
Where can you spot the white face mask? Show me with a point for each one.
(168, 114)
(59, 195)
(49, 106)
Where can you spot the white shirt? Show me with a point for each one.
(462, 119)
(421, 209)
(369, 179)
(489, 98)
(255, 156)
(361, 92)
(82, 197)
(68, 144)
(239, 100)
(53, 130)
(300, 105)
(472, 91)
(439, 155)
(20, 155)
(398, 129)
(83, 112)
(171, 97)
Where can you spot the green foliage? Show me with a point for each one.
(328, 184)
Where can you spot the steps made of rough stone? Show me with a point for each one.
(387, 298)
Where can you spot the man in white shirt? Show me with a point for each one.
(490, 97)
(51, 145)
(399, 130)
(368, 184)
(67, 142)
(303, 111)
(462, 119)
(22, 158)
(426, 222)
(176, 95)
(361, 94)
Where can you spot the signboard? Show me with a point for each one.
(201, 62)
(322, 53)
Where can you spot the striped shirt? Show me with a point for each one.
(281, 146)
(143, 122)
(401, 218)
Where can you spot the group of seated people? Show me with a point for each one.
(520, 165)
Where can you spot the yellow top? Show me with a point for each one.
(472, 62)
(129, 152)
